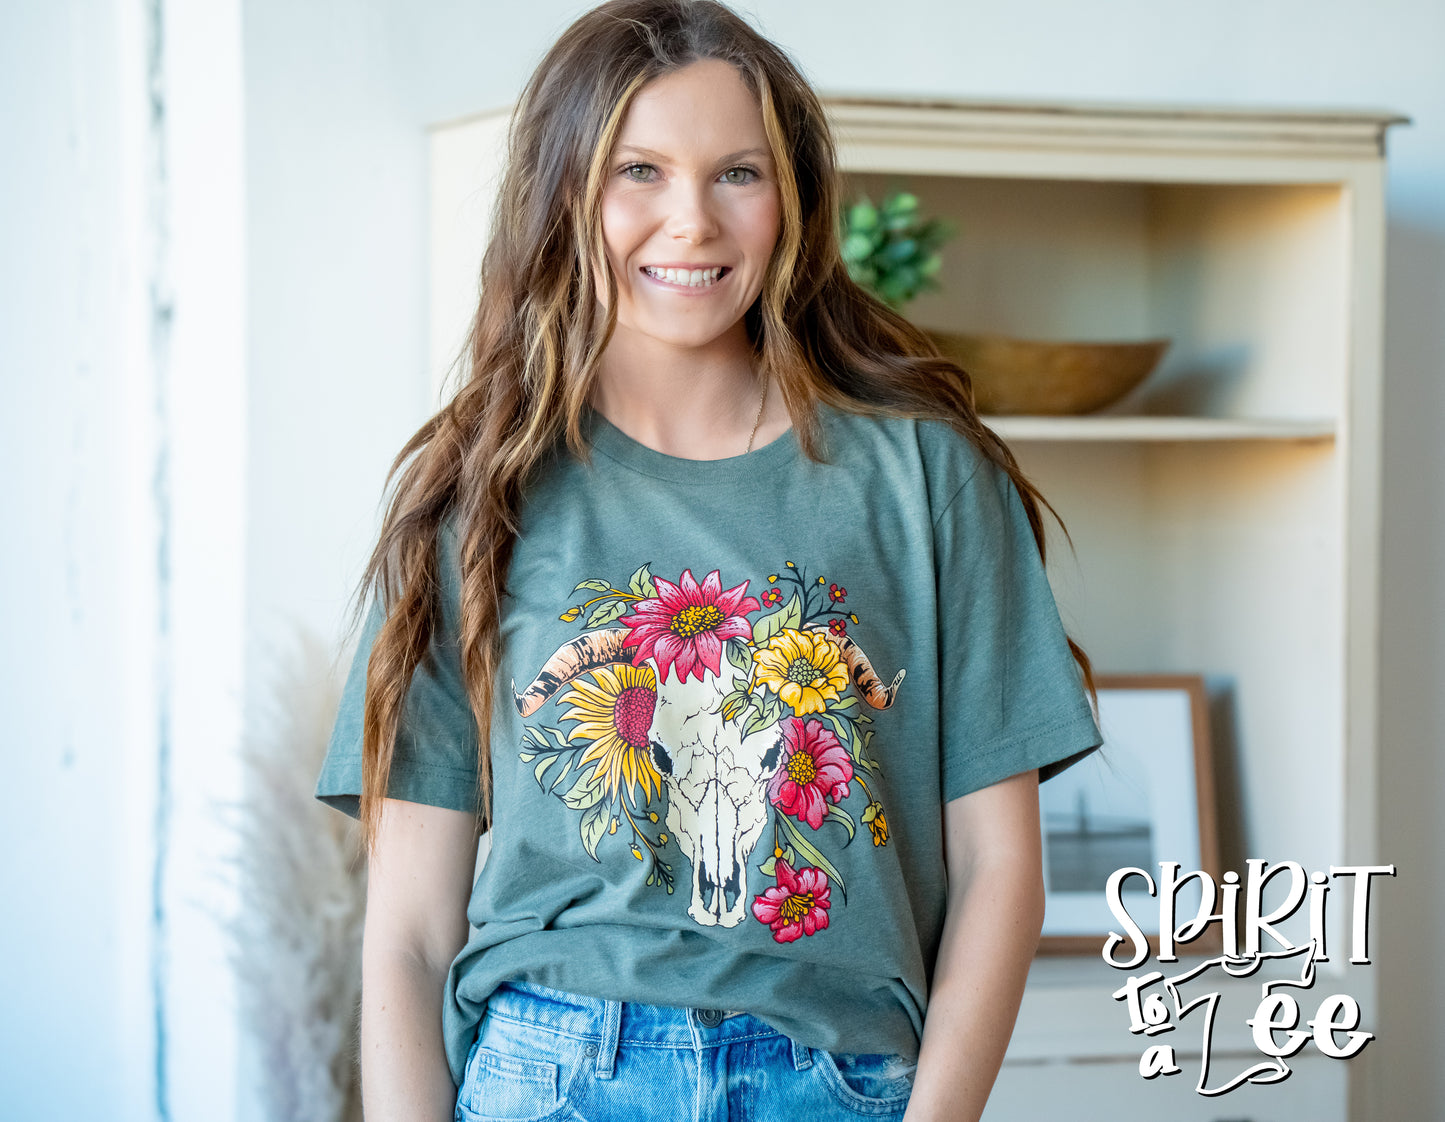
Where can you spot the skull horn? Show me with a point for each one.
(865, 678)
(574, 657)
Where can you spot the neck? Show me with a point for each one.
(698, 404)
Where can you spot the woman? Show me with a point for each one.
(784, 667)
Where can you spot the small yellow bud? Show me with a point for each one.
(612, 829)
(820, 580)
(790, 565)
(853, 617)
(662, 839)
(773, 579)
(652, 814)
(636, 852)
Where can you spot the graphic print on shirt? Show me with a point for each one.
(745, 727)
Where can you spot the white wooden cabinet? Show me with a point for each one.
(1225, 515)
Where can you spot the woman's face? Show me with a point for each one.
(691, 188)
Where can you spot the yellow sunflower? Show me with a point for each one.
(804, 668)
(614, 712)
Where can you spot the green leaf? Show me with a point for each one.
(862, 215)
(584, 793)
(609, 611)
(541, 769)
(757, 724)
(528, 757)
(900, 251)
(857, 247)
(566, 768)
(836, 811)
(848, 703)
(769, 868)
(846, 733)
(789, 615)
(774, 708)
(641, 584)
(594, 828)
(737, 652)
(594, 585)
(902, 202)
(863, 755)
(811, 855)
(735, 704)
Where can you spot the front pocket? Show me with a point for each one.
(502, 1086)
(872, 1083)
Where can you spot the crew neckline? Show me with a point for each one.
(609, 440)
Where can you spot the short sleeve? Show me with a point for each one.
(1012, 696)
(435, 758)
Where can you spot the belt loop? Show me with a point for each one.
(607, 1047)
(802, 1056)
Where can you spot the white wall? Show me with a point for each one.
(63, 504)
(122, 441)
(329, 378)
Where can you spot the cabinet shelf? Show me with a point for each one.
(1126, 429)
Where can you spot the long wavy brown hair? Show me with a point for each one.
(541, 326)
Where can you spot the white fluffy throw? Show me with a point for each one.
(297, 942)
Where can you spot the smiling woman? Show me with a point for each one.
(757, 576)
(688, 235)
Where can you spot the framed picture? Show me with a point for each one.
(1146, 797)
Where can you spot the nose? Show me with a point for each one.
(691, 218)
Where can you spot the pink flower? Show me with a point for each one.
(815, 769)
(686, 624)
(837, 594)
(838, 626)
(796, 905)
(772, 596)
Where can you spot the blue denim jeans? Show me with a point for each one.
(542, 1055)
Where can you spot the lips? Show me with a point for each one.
(684, 276)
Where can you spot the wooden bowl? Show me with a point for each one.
(1036, 377)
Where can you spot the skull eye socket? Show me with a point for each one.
(660, 759)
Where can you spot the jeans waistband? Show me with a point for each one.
(637, 1022)
(608, 1024)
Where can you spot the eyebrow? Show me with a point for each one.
(763, 152)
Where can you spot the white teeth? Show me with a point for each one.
(689, 278)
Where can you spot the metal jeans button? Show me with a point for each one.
(710, 1017)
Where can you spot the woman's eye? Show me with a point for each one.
(745, 174)
(630, 168)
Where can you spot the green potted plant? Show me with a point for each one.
(890, 250)
(894, 253)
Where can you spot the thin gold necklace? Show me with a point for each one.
(762, 398)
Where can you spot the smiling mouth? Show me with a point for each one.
(687, 278)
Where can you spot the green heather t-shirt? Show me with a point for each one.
(744, 689)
